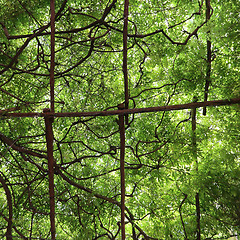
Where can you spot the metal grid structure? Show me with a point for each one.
(123, 114)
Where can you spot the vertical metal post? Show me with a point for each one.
(194, 148)
(49, 139)
(209, 57)
(52, 9)
(122, 169)
(125, 70)
(48, 124)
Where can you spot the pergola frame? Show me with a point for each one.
(123, 111)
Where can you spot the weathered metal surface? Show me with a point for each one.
(122, 171)
(128, 111)
(52, 8)
(125, 55)
(49, 139)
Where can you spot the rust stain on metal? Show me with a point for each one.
(125, 58)
(49, 139)
(52, 7)
(128, 111)
(122, 170)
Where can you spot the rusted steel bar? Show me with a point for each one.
(122, 169)
(198, 216)
(49, 139)
(209, 57)
(194, 125)
(52, 9)
(125, 70)
(194, 150)
(128, 111)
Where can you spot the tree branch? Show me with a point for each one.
(18, 148)
(10, 207)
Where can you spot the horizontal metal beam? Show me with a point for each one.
(127, 111)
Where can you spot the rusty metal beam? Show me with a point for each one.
(194, 151)
(125, 49)
(122, 169)
(128, 111)
(52, 8)
(209, 57)
(49, 139)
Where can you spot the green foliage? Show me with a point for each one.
(165, 169)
